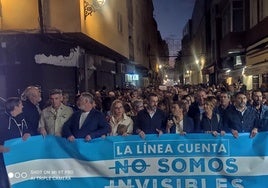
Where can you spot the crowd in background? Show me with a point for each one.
(180, 110)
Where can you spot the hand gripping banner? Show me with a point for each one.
(170, 161)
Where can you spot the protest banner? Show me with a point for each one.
(170, 161)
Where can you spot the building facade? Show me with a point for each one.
(257, 45)
(232, 35)
(76, 45)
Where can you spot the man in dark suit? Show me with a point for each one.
(150, 120)
(87, 123)
(197, 109)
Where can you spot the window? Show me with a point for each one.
(238, 16)
(258, 11)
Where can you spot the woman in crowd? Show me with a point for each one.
(210, 121)
(137, 105)
(119, 119)
(179, 122)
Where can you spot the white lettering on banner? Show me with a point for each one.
(125, 151)
(173, 183)
(144, 149)
(198, 161)
(155, 148)
(201, 148)
(136, 149)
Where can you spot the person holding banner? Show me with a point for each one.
(119, 117)
(87, 123)
(179, 122)
(54, 116)
(13, 125)
(31, 98)
(211, 122)
(197, 108)
(260, 108)
(241, 118)
(150, 120)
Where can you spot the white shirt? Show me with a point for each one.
(179, 127)
(126, 120)
(83, 118)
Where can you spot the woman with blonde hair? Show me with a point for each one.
(211, 121)
(119, 119)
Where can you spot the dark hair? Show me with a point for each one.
(227, 93)
(181, 105)
(55, 91)
(257, 90)
(239, 93)
(212, 101)
(152, 95)
(11, 103)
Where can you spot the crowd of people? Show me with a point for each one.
(176, 110)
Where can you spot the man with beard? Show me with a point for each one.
(241, 118)
(87, 123)
(150, 120)
(261, 110)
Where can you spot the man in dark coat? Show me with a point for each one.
(241, 118)
(31, 98)
(87, 123)
(150, 120)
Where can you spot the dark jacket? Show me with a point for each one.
(94, 125)
(233, 119)
(195, 114)
(264, 121)
(221, 111)
(32, 116)
(149, 125)
(188, 125)
(213, 124)
(10, 127)
(263, 117)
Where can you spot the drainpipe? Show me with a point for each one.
(41, 18)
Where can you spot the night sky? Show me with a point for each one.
(171, 17)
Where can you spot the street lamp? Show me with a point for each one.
(92, 6)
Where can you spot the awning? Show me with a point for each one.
(261, 68)
(257, 53)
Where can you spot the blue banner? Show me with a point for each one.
(170, 161)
